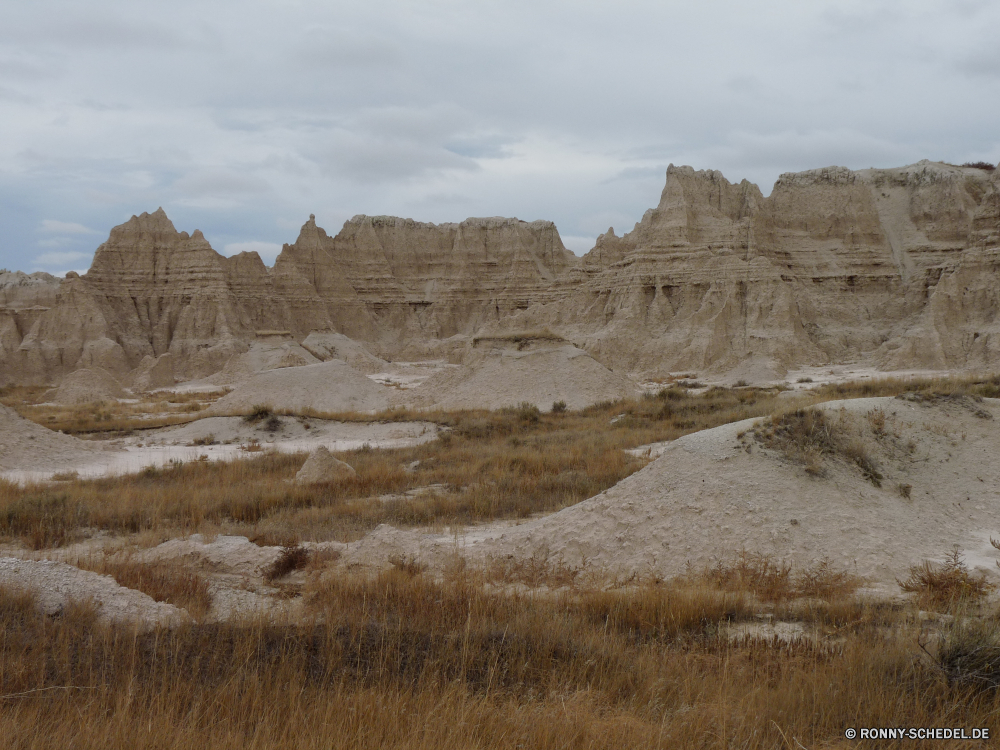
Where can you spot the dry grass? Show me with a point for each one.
(950, 585)
(494, 465)
(770, 580)
(290, 559)
(519, 654)
(109, 418)
(402, 661)
(808, 436)
(164, 582)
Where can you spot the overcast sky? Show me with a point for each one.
(242, 118)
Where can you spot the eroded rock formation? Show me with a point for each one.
(899, 267)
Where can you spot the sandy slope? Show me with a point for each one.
(539, 375)
(332, 386)
(712, 494)
(28, 446)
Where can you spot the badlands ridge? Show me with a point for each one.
(892, 268)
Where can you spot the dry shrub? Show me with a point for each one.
(535, 571)
(876, 418)
(290, 559)
(807, 435)
(258, 413)
(163, 582)
(822, 581)
(773, 581)
(756, 574)
(949, 585)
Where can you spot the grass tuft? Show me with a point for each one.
(949, 585)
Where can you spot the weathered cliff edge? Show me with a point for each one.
(899, 267)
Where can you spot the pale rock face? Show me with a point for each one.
(327, 345)
(834, 266)
(898, 267)
(153, 373)
(322, 467)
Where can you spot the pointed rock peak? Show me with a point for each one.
(156, 221)
(608, 236)
(310, 235)
(197, 235)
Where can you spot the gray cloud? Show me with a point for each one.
(244, 118)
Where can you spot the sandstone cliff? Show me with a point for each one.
(898, 267)
(894, 266)
(399, 285)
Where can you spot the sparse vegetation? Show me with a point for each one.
(949, 585)
(292, 558)
(164, 582)
(968, 653)
(525, 652)
(109, 418)
(807, 436)
(259, 413)
(521, 340)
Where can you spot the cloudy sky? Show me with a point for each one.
(242, 118)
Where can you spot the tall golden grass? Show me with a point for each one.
(399, 660)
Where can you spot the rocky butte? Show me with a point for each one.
(899, 268)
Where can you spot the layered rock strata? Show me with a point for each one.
(897, 267)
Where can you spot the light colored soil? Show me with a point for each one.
(508, 377)
(330, 386)
(26, 459)
(261, 356)
(712, 494)
(56, 584)
(87, 386)
(27, 446)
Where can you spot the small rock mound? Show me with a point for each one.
(56, 584)
(322, 467)
(87, 386)
(27, 446)
(541, 374)
(330, 386)
(261, 356)
(327, 345)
